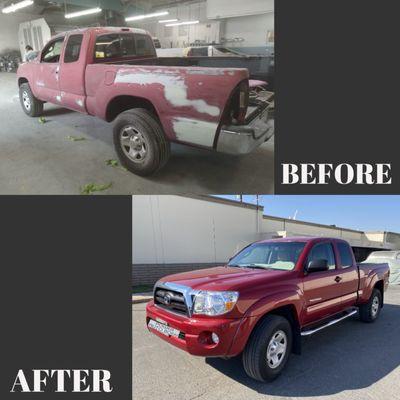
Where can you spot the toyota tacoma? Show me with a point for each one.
(114, 74)
(268, 296)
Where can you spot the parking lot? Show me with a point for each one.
(351, 360)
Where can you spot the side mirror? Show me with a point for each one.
(317, 265)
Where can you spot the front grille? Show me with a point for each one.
(170, 300)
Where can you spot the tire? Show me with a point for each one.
(255, 361)
(29, 103)
(370, 311)
(147, 150)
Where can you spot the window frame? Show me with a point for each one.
(58, 39)
(333, 253)
(338, 244)
(66, 48)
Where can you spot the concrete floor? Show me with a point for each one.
(39, 159)
(351, 360)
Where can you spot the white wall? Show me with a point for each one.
(9, 24)
(253, 29)
(174, 229)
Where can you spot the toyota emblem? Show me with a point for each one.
(167, 299)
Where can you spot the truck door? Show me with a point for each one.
(321, 291)
(348, 273)
(72, 72)
(47, 80)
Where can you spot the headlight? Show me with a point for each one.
(214, 303)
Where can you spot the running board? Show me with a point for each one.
(332, 322)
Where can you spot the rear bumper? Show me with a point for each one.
(243, 139)
(194, 331)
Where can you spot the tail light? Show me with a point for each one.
(243, 101)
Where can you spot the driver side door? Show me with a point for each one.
(47, 80)
(322, 289)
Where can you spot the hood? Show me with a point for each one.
(224, 278)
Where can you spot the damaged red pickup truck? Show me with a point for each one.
(264, 300)
(114, 74)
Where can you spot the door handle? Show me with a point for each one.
(338, 279)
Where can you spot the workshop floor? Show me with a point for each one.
(41, 158)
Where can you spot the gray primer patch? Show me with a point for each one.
(175, 89)
(195, 131)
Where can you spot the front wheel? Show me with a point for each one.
(369, 312)
(268, 348)
(140, 142)
(29, 103)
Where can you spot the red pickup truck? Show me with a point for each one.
(264, 300)
(114, 74)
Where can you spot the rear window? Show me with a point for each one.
(346, 257)
(73, 48)
(114, 46)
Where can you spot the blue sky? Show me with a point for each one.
(366, 213)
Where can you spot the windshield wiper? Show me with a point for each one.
(254, 266)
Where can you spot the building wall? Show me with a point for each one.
(9, 24)
(253, 28)
(174, 230)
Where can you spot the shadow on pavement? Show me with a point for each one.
(350, 355)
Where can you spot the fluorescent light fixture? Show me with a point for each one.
(16, 6)
(83, 12)
(184, 23)
(145, 16)
(163, 21)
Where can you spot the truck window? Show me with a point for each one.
(122, 45)
(107, 46)
(282, 256)
(323, 251)
(346, 258)
(73, 48)
(52, 52)
(144, 45)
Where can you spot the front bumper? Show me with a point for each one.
(243, 139)
(194, 330)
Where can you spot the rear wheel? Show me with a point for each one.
(268, 348)
(370, 311)
(29, 103)
(140, 142)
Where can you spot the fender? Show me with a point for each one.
(291, 297)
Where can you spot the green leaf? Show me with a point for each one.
(42, 120)
(91, 188)
(76, 138)
(112, 163)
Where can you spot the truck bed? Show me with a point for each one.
(258, 67)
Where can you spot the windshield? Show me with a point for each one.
(282, 256)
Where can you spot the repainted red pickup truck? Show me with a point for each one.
(114, 74)
(264, 300)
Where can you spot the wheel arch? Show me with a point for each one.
(22, 80)
(288, 312)
(380, 286)
(122, 103)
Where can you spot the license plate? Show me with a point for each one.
(163, 328)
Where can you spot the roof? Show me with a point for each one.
(296, 221)
(104, 29)
(304, 239)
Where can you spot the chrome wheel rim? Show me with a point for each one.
(276, 349)
(26, 100)
(133, 144)
(375, 306)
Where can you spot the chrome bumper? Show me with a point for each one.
(243, 139)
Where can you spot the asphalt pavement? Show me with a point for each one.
(351, 360)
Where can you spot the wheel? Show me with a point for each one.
(30, 104)
(140, 142)
(268, 348)
(369, 312)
